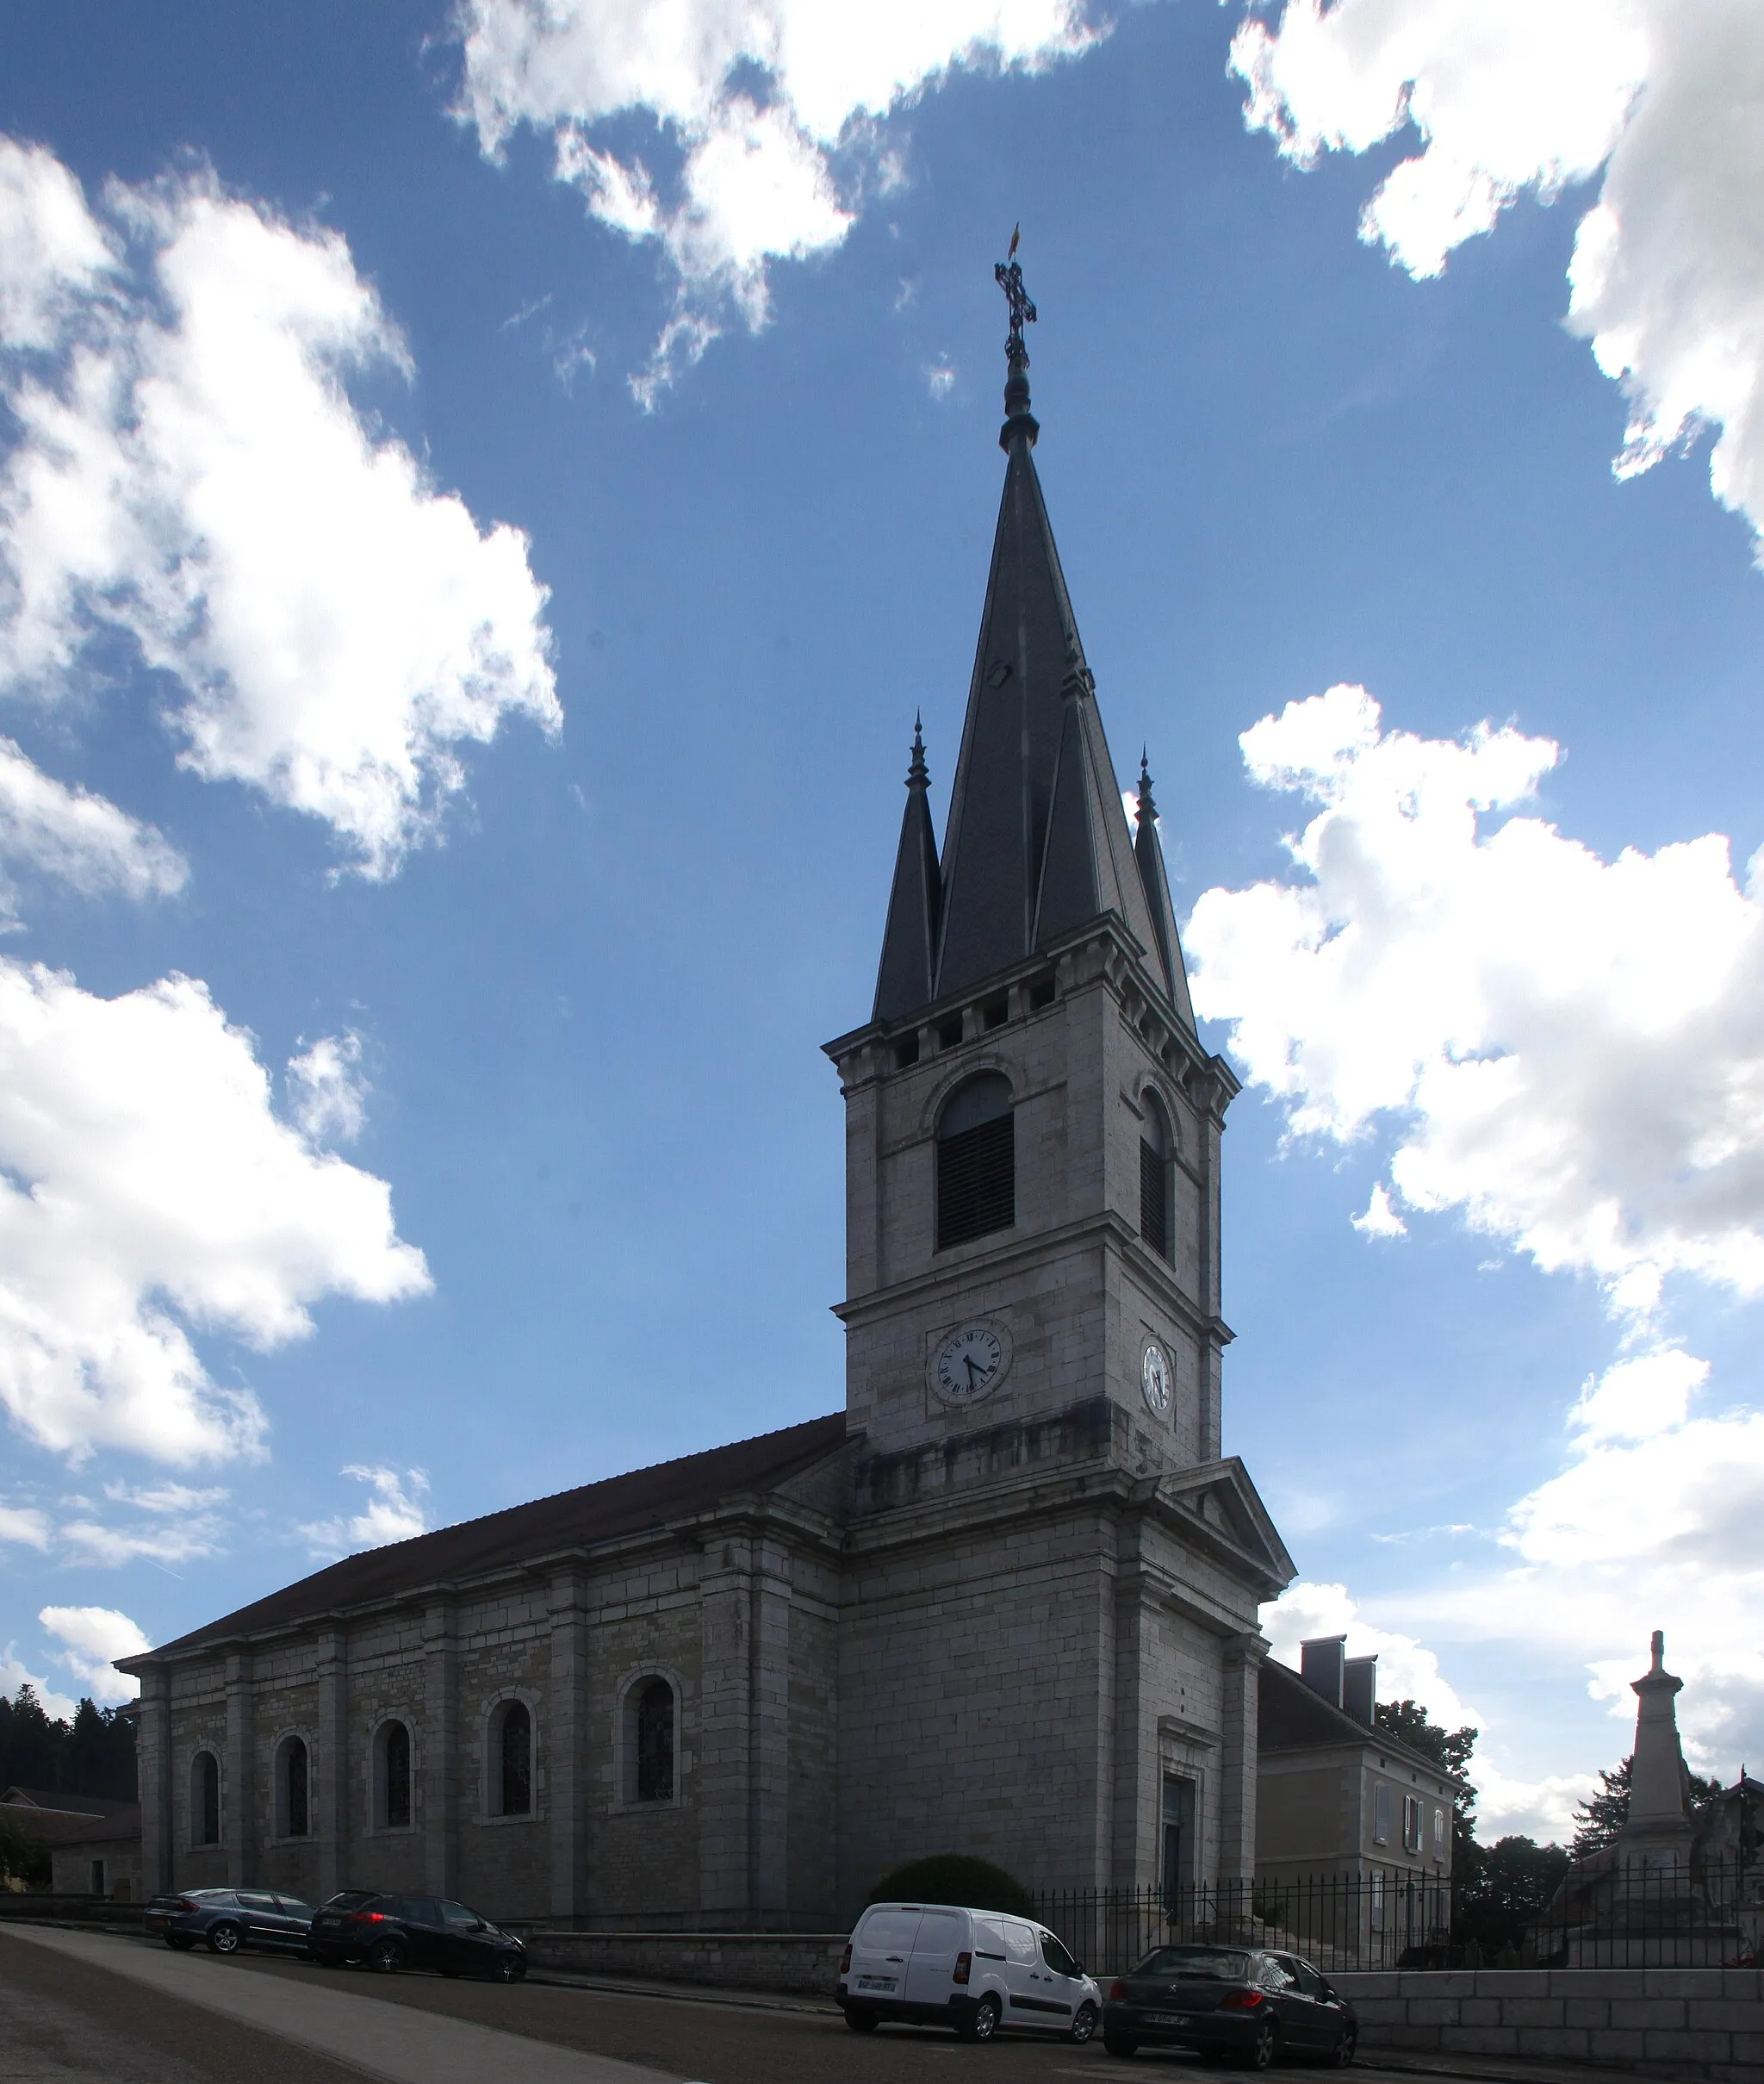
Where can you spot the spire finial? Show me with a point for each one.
(918, 775)
(1018, 420)
(1659, 1647)
(1148, 814)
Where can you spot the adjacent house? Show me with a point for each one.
(94, 1843)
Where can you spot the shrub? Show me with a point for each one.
(954, 1877)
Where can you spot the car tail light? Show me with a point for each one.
(1117, 1990)
(367, 1916)
(184, 1903)
(964, 1964)
(845, 1960)
(1242, 2000)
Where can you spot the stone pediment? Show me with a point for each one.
(1218, 1501)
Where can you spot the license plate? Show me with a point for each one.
(1169, 2018)
(875, 1983)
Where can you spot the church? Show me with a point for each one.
(1004, 1602)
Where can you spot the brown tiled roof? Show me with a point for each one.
(68, 1827)
(1292, 1718)
(619, 1505)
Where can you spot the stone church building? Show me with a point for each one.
(1004, 1602)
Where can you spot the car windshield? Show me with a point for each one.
(350, 1899)
(1206, 1964)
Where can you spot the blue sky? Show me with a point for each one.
(500, 722)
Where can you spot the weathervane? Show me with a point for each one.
(1018, 419)
(1009, 274)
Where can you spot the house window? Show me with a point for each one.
(1411, 1823)
(513, 1759)
(1156, 1146)
(205, 1798)
(654, 1735)
(394, 1776)
(1176, 1839)
(976, 1162)
(97, 1878)
(1439, 1834)
(293, 1808)
(1381, 1814)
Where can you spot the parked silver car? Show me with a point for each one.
(226, 1919)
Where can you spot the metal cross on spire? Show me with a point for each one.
(1009, 274)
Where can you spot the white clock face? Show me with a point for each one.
(969, 1363)
(1154, 1377)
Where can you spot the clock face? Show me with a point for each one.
(969, 1363)
(1154, 1377)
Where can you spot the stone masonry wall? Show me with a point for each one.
(1706, 2023)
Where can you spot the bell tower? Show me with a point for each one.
(1032, 1123)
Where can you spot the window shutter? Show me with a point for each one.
(1154, 1223)
(977, 1181)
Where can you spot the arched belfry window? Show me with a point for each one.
(654, 1733)
(514, 1760)
(976, 1161)
(293, 1792)
(1157, 1148)
(205, 1798)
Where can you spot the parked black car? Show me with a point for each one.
(1246, 2003)
(228, 1918)
(389, 1933)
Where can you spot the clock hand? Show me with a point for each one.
(967, 1361)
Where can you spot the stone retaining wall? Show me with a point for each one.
(37, 1909)
(1703, 2023)
(795, 1963)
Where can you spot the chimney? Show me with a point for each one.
(1359, 1687)
(1322, 1662)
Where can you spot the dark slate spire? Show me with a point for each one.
(1149, 854)
(905, 980)
(1037, 842)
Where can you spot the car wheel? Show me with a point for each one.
(1121, 2044)
(180, 1943)
(224, 1938)
(1084, 2024)
(510, 1970)
(388, 1956)
(862, 2022)
(1342, 2055)
(982, 2022)
(1261, 2051)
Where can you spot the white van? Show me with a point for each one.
(976, 1971)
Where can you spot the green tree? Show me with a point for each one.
(1600, 1818)
(1409, 1723)
(1500, 1887)
(92, 1755)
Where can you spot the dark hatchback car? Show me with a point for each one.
(226, 1919)
(1247, 2005)
(389, 1933)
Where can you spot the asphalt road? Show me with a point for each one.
(64, 2018)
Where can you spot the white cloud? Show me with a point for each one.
(1380, 1218)
(190, 471)
(757, 178)
(394, 1512)
(52, 256)
(1568, 1051)
(940, 378)
(1506, 97)
(84, 841)
(94, 1636)
(25, 1524)
(1407, 1671)
(57, 1706)
(147, 1192)
(328, 1089)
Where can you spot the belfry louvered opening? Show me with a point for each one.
(976, 1162)
(1155, 1144)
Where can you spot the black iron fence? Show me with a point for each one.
(1601, 1915)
